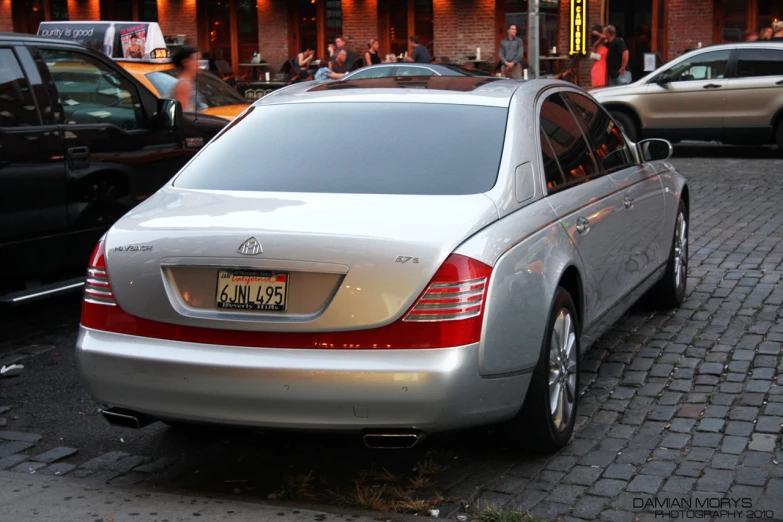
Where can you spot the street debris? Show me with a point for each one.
(11, 370)
(434, 513)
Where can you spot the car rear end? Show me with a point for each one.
(283, 281)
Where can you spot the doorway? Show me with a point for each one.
(642, 24)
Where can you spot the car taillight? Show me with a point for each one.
(448, 313)
(97, 289)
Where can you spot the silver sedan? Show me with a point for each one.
(388, 260)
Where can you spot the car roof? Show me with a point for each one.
(732, 45)
(458, 90)
(23, 37)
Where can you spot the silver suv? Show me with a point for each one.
(732, 93)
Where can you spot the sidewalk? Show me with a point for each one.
(37, 498)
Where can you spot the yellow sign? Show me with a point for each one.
(578, 27)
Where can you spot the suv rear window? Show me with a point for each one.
(355, 148)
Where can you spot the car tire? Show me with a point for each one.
(670, 291)
(779, 135)
(539, 425)
(627, 125)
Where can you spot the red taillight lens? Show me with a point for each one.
(448, 313)
(97, 289)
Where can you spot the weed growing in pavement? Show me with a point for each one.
(373, 475)
(429, 467)
(364, 497)
(297, 487)
(494, 514)
(421, 483)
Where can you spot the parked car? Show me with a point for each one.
(82, 142)
(391, 70)
(732, 93)
(446, 282)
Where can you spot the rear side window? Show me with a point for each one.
(17, 108)
(609, 147)
(412, 70)
(759, 62)
(568, 143)
(404, 148)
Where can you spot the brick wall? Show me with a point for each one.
(178, 17)
(462, 25)
(360, 23)
(273, 31)
(690, 22)
(6, 18)
(84, 9)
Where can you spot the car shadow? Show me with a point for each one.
(715, 150)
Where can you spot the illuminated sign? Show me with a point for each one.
(578, 27)
(158, 54)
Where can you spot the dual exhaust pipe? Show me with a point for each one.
(374, 440)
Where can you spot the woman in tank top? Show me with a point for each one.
(371, 57)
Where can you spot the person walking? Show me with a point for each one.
(616, 58)
(186, 61)
(371, 57)
(598, 72)
(420, 53)
(511, 53)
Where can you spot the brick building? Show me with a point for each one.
(278, 29)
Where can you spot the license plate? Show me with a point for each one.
(252, 290)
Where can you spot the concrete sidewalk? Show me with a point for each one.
(37, 497)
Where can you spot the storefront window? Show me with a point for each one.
(27, 15)
(59, 10)
(148, 10)
(422, 22)
(308, 25)
(400, 23)
(769, 11)
(334, 20)
(117, 10)
(516, 12)
(735, 19)
(247, 29)
(216, 14)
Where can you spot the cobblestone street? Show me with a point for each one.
(684, 405)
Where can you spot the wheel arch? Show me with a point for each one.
(626, 109)
(571, 280)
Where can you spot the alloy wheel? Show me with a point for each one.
(680, 251)
(562, 370)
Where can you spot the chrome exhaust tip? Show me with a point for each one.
(402, 440)
(127, 418)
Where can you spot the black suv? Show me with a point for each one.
(81, 142)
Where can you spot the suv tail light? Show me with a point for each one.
(448, 313)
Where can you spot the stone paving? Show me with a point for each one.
(676, 407)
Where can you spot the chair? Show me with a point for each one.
(357, 64)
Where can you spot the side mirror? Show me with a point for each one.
(655, 150)
(663, 79)
(169, 114)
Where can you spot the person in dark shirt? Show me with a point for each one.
(340, 63)
(617, 58)
(339, 43)
(420, 53)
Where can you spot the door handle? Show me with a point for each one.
(712, 86)
(78, 157)
(628, 201)
(779, 82)
(582, 225)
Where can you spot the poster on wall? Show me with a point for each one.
(133, 40)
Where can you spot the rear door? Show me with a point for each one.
(32, 171)
(587, 203)
(642, 191)
(754, 94)
(691, 104)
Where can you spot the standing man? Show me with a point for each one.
(617, 58)
(511, 52)
(420, 53)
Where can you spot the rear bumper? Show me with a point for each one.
(428, 390)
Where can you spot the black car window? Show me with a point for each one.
(609, 147)
(458, 153)
(568, 143)
(17, 108)
(408, 70)
(372, 72)
(759, 62)
(91, 92)
(704, 66)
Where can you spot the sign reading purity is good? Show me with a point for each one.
(578, 27)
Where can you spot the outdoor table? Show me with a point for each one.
(254, 67)
(555, 62)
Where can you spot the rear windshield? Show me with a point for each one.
(355, 148)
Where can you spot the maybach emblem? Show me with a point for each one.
(250, 247)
